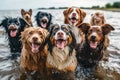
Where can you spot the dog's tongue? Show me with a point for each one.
(61, 44)
(35, 48)
(43, 25)
(93, 45)
(13, 33)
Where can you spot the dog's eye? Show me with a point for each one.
(90, 31)
(40, 33)
(31, 32)
(16, 22)
(99, 31)
(65, 30)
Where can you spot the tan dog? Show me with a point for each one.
(26, 15)
(97, 19)
(34, 52)
(74, 17)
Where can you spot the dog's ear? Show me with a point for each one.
(22, 11)
(107, 28)
(84, 27)
(82, 14)
(30, 10)
(23, 35)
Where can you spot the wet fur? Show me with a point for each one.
(30, 61)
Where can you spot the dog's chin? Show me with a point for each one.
(35, 47)
(61, 43)
(13, 33)
(93, 45)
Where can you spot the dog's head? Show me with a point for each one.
(61, 36)
(74, 16)
(26, 14)
(43, 19)
(11, 26)
(97, 19)
(95, 35)
(34, 38)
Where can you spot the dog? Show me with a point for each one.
(74, 17)
(26, 15)
(61, 60)
(97, 19)
(13, 28)
(91, 51)
(43, 19)
(34, 53)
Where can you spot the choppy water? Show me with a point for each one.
(109, 70)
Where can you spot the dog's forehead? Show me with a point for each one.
(94, 27)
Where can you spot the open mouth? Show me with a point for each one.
(61, 43)
(13, 32)
(93, 45)
(73, 19)
(35, 47)
(44, 23)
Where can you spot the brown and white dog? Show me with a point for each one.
(91, 51)
(61, 60)
(26, 15)
(34, 52)
(97, 19)
(74, 17)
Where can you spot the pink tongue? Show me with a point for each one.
(44, 25)
(13, 33)
(60, 44)
(93, 45)
(73, 21)
(35, 48)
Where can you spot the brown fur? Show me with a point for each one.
(31, 61)
(26, 15)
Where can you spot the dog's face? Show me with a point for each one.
(97, 19)
(43, 19)
(74, 16)
(95, 34)
(34, 37)
(61, 36)
(11, 26)
(26, 14)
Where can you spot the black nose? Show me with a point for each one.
(35, 38)
(74, 14)
(93, 38)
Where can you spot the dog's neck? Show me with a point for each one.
(61, 58)
(29, 22)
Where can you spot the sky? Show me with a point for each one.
(27, 4)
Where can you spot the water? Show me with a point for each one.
(109, 70)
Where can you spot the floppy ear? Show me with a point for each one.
(82, 15)
(73, 42)
(30, 11)
(65, 12)
(22, 11)
(106, 28)
(84, 27)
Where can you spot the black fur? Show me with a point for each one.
(39, 16)
(14, 42)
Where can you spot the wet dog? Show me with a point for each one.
(13, 28)
(74, 17)
(34, 53)
(61, 60)
(26, 15)
(43, 19)
(97, 19)
(91, 51)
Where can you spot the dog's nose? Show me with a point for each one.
(11, 26)
(35, 38)
(74, 14)
(93, 38)
(60, 33)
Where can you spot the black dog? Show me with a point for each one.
(43, 19)
(13, 28)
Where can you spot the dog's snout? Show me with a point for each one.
(11, 26)
(60, 33)
(93, 38)
(74, 14)
(35, 38)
